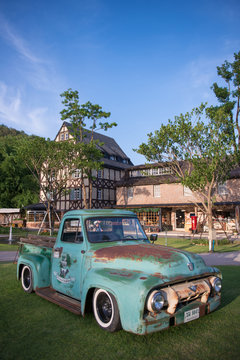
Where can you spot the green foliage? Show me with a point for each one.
(86, 155)
(5, 131)
(196, 144)
(199, 147)
(47, 160)
(17, 187)
(78, 114)
(229, 95)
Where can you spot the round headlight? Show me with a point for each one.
(155, 301)
(217, 284)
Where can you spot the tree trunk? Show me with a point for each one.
(85, 195)
(90, 193)
(210, 229)
(49, 218)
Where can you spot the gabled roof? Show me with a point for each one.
(109, 148)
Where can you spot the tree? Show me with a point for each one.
(17, 187)
(229, 96)
(86, 155)
(48, 162)
(200, 152)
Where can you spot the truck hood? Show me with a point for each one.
(168, 264)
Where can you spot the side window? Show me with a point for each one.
(72, 231)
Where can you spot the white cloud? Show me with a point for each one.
(9, 34)
(36, 117)
(14, 113)
(201, 72)
(39, 71)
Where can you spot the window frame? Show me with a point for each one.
(79, 226)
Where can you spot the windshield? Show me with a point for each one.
(114, 229)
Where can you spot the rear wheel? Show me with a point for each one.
(106, 311)
(27, 279)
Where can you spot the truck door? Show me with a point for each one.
(68, 258)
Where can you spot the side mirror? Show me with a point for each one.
(153, 237)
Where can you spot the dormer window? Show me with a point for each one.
(67, 136)
(76, 174)
(62, 136)
(112, 157)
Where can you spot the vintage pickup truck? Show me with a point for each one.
(102, 260)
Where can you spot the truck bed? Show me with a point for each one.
(46, 241)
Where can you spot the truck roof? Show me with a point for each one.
(99, 212)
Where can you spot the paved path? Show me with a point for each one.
(7, 255)
(227, 258)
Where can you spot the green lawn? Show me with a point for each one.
(32, 328)
(8, 247)
(186, 244)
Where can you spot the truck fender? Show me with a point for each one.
(40, 266)
(119, 283)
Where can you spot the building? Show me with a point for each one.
(162, 203)
(115, 162)
(10, 216)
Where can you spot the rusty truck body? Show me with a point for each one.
(103, 260)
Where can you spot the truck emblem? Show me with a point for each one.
(190, 266)
(64, 270)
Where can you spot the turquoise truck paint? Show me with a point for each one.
(130, 269)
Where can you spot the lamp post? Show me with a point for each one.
(10, 231)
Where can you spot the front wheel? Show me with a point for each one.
(106, 311)
(27, 279)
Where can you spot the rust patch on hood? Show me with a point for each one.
(121, 274)
(135, 252)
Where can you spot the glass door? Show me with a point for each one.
(180, 219)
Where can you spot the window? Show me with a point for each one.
(223, 189)
(72, 231)
(75, 194)
(187, 191)
(156, 190)
(135, 173)
(67, 136)
(112, 157)
(149, 218)
(35, 216)
(166, 170)
(100, 174)
(105, 229)
(77, 173)
(130, 192)
(62, 136)
(99, 194)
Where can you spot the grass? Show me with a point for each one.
(8, 247)
(32, 328)
(188, 245)
(23, 231)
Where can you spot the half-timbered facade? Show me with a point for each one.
(115, 162)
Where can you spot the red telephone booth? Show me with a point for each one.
(194, 222)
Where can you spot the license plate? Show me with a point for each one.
(191, 315)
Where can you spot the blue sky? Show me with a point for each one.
(145, 61)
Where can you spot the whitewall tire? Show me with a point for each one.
(27, 279)
(106, 311)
